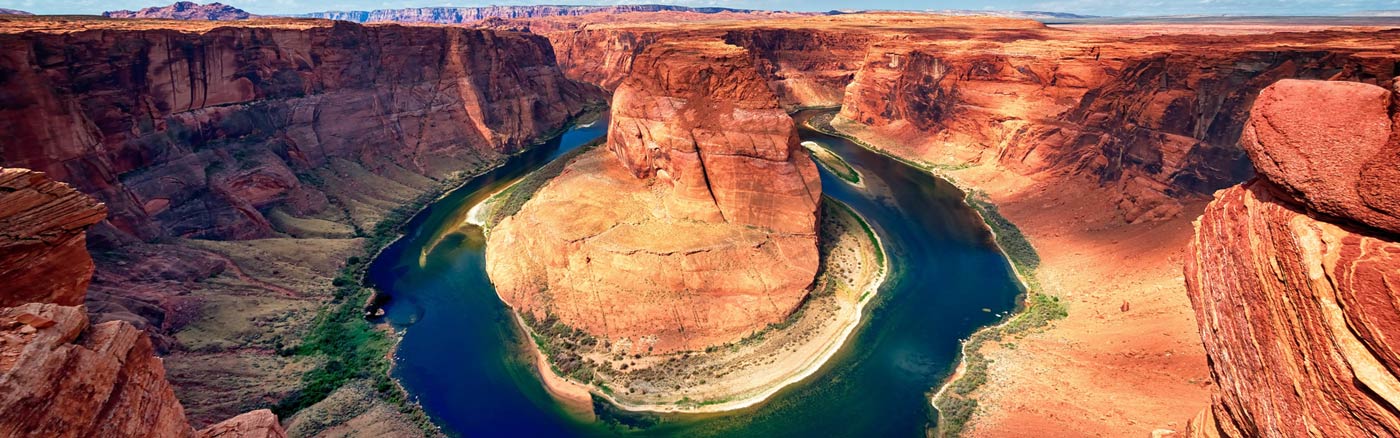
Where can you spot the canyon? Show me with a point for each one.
(244, 168)
(1292, 274)
(247, 169)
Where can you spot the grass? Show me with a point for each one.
(833, 163)
(955, 406)
(509, 201)
(350, 347)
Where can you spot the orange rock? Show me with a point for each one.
(698, 117)
(43, 240)
(1297, 310)
(697, 229)
(261, 423)
(1331, 147)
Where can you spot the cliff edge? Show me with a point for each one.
(698, 229)
(1294, 274)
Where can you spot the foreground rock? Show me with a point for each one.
(58, 376)
(1293, 275)
(698, 230)
(42, 239)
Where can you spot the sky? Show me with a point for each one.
(1089, 7)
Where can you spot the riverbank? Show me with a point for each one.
(1126, 357)
(733, 376)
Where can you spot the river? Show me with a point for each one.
(463, 359)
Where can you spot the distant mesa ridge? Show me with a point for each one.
(449, 15)
(185, 11)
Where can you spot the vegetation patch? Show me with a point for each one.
(832, 162)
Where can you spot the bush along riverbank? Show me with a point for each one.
(346, 346)
(1037, 309)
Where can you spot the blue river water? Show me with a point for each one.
(463, 359)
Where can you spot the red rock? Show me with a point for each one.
(261, 423)
(698, 117)
(185, 11)
(107, 382)
(1297, 310)
(191, 129)
(695, 227)
(43, 239)
(1331, 147)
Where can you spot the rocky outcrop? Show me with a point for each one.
(1160, 126)
(695, 227)
(62, 379)
(698, 118)
(43, 239)
(58, 376)
(185, 11)
(201, 134)
(261, 423)
(1293, 275)
(458, 15)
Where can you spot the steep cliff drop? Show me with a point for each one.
(698, 229)
(60, 377)
(1294, 274)
(251, 167)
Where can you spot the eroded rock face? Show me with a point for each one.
(200, 134)
(1330, 147)
(59, 377)
(43, 239)
(694, 227)
(108, 383)
(457, 15)
(185, 11)
(261, 423)
(1296, 306)
(698, 118)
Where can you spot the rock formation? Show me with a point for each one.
(58, 376)
(458, 15)
(697, 117)
(185, 11)
(1156, 119)
(201, 133)
(697, 229)
(43, 240)
(1293, 275)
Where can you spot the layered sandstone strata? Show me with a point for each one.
(1156, 120)
(1293, 275)
(43, 239)
(697, 229)
(60, 377)
(197, 130)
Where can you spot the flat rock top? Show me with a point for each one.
(59, 24)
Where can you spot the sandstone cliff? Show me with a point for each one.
(697, 229)
(1155, 119)
(58, 376)
(42, 239)
(1293, 274)
(185, 11)
(202, 132)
